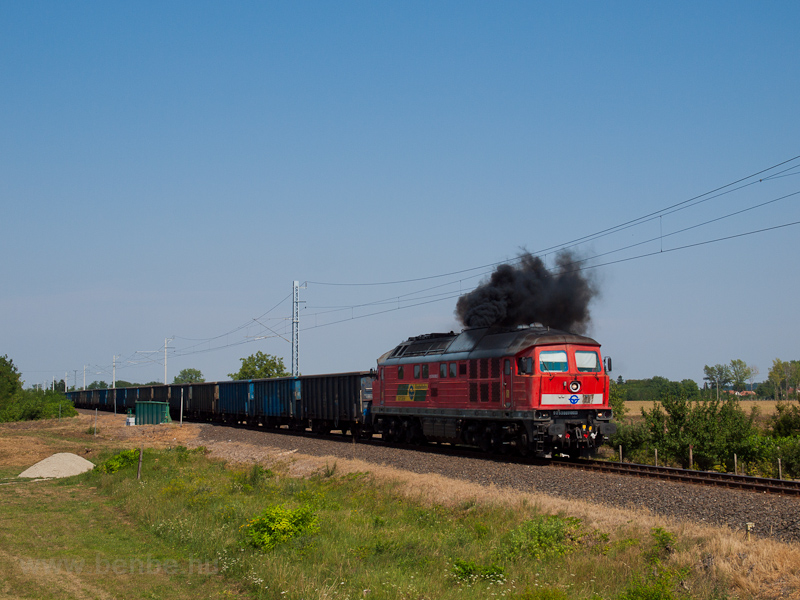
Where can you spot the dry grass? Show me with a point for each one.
(760, 568)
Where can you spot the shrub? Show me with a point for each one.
(278, 524)
(469, 571)
(541, 537)
(119, 461)
(663, 545)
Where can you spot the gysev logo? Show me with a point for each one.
(409, 392)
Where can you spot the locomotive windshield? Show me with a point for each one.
(587, 362)
(553, 361)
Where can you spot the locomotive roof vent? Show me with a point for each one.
(534, 326)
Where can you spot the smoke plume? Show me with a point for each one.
(527, 292)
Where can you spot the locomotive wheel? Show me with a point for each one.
(523, 444)
(395, 433)
(496, 439)
(485, 440)
(414, 434)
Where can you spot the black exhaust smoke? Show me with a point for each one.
(527, 292)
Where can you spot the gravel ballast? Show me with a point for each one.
(773, 515)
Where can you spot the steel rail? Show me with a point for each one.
(709, 478)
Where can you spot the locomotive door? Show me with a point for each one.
(508, 384)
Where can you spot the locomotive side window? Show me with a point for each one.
(553, 361)
(587, 362)
(424, 371)
(400, 374)
(453, 369)
(525, 365)
(462, 369)
(443, 370)
(416, 371)
(507, 367)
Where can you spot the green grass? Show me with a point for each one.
(368, 540)
(60, 540)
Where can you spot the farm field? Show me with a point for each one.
(766, 408)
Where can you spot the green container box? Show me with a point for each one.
(152, 413)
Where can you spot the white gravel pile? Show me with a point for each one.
(63, 464)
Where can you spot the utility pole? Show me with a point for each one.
(84, 377)
(166, 340)
(66, 374)
(296, 328)
(114, 383)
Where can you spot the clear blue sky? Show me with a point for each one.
(169, 168)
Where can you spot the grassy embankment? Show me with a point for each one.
(185, 525)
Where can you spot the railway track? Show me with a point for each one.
(707, 478)
(704, 478)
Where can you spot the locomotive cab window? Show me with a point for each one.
(553, 361)
(587, 362)
(525, 365)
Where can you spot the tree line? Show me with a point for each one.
(782, 383)
(18, 404)
(719, 432)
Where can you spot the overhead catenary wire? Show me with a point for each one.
(414, 298)
(588, 237)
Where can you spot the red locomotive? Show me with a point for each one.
(542, 391)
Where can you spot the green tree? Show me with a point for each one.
(616, 400)
(740, 373)
(715, 430)
(98, 385)
(10, 382)
(786, 421)
(189, 376)
(784, 374)
(260, 366)
(718, 376)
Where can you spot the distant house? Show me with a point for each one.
(744, 394)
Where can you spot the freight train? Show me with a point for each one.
(539, 391)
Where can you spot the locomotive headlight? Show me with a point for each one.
(574, 386)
